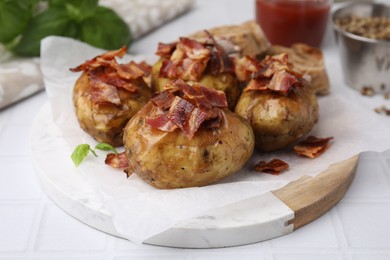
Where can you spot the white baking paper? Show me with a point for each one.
(140, 211)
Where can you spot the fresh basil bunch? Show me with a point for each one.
(23, 24)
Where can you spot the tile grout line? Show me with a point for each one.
(385, 167)
(340, 232)
(4, 120)
(33, 236)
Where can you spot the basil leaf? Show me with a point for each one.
(54, 21)
(27, 2)
(57, 2)
(83, 4)
(105, 147)
(78, 10)
(14, 17)
(79, 153)
(105, 30)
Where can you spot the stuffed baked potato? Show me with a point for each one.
(185, 137)
(279, 105)
(108, 94)
(196, 62)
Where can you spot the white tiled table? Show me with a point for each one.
(32, 227)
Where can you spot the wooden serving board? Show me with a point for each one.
(259, 218)
(310, 198)
(270, 215)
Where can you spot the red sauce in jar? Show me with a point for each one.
(285, 22)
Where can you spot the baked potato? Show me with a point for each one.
(278, 104)
(107, 95)
(167, 155)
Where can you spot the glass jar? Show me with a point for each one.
(286, 22)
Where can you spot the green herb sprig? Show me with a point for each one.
(82, 150)
(24, 23)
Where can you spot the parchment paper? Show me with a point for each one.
(140, 211)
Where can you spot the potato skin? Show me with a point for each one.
(105, 122)
(225, 82)
(170, 160)
(278, 120)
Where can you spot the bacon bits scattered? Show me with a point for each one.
(186, 107)
(276, 74)
(106, 76)
(312, 147)
(367, 91)
(382, 110)
(118, 161)
(275, 166)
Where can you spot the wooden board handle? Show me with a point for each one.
(311, 197)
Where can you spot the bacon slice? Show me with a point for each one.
(117, 161)
(219, 62)
(194, 121)
(313, 146)
(179, 111)
(163, 99)
(245, 67)
(186, 107)
(159, 120)
(112, 78)
(106, 76)
(199, 95)
(145, 67)
(283, 82)
(193, 49)
(130, 70)
(275, 166)
(100, 60)
(272, 64)
(102, 93)
(276, 74)
(165, 49)
(189, 59)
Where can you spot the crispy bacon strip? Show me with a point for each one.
(165, 49)
(245, 67)
(145, 67)
(117, 161)
(188, 61)
(282, 81)
(130, 71)
(275, 166)
(163, 99)
(103, 59)
(313, 146)
(193, 49)
(186, 107)
(106, 76)
(199, 95)
(161, 122)
(276, 74)
(102, 93)
(272, 64)
(219, 62)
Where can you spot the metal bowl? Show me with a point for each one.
(365, 61)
